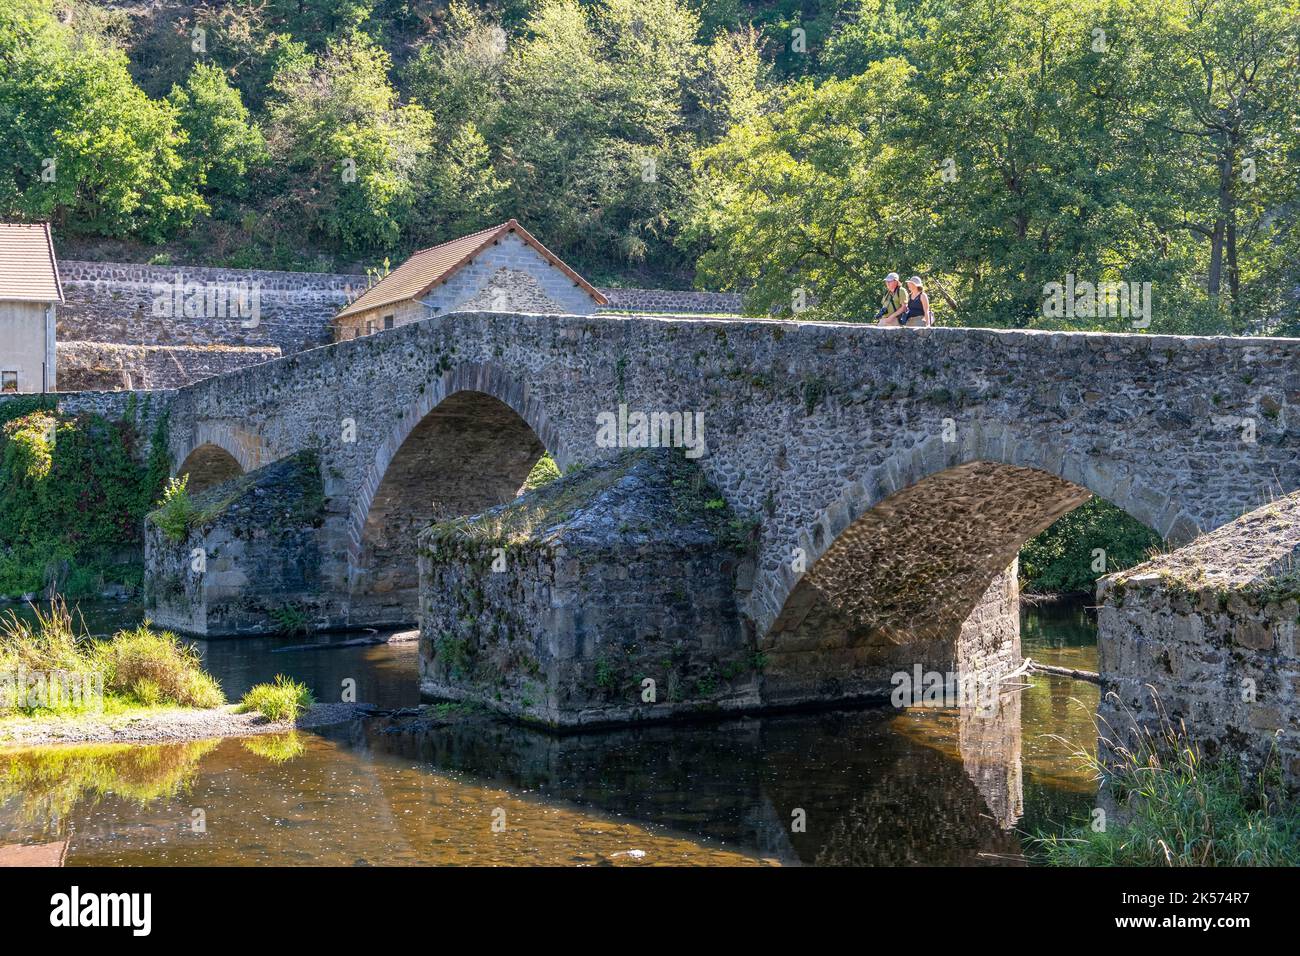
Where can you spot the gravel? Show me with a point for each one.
(178, 724)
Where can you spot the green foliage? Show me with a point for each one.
(176, 513)
(79, 141)
(1181, 809)
(1122, 157)
(73, 490)
(136, 667)
(768, 148)
(543, 472)
(285, 699)
(349, 155)
(223, 146)
(156, 668)
(291, 619)
(1060, 560)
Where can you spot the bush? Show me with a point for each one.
(134, 667)
(542, 473)
(285, 699)
(1180, 809)
(175, 513)
(74, 491)
(156, 668)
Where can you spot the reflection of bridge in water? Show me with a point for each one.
(945, 791)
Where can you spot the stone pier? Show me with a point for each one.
(614, 595)
(1207, 636)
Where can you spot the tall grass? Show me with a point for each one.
(176, 512)
(285, 699)
(1175, 807)
(156, 668)
(136, 667)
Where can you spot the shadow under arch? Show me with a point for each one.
(460, 451)
(915, 565)
(208, 465)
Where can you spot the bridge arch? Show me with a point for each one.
(1067, 481)
(218, 453)
(907, 553)
(209, 465)
(466, 444)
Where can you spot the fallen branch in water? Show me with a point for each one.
(1091, 676)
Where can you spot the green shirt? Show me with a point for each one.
(891, 302)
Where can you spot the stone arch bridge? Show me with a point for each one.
(895, 473)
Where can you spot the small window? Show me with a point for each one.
(356, 332)
(8, 381)
(370, 326)
(388, 322)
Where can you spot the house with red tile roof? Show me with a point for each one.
(30, 293)
(501, 269)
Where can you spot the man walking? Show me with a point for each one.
(894, 302)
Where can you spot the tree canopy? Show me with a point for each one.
(795, 150)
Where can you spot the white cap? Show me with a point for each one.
(916, 281)
(892, 277)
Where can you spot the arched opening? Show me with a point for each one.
(470, 453)
(922, 577)
(209, 465)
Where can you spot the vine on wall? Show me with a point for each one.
(74, 490)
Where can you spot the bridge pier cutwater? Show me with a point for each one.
(892, 476)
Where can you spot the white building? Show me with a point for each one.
(30, 292)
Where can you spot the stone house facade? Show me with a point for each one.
(501, 269)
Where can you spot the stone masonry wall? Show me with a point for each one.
(258, 549)
(144, 406)
(101, 366)
(114, 302)
(672, 301)
(1210, 636)
(553, 291)
(625, 581)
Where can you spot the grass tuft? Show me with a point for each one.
(285, 699)
(1178, 808)
(139, 667)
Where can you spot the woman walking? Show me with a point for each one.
(918, 312)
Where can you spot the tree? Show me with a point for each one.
(798, 206)
(222, 144)
(350, 155)
(594, 141)
(1222, 99)
(80, 143)
(459, 75)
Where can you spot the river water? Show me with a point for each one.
(867, 786)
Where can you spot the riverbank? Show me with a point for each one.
(156, 725)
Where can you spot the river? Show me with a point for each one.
(865, 786)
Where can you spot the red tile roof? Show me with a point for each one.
(28, 270)
(415, 277)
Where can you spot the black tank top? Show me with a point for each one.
(914, 307)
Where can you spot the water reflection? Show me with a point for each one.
(922, 786)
